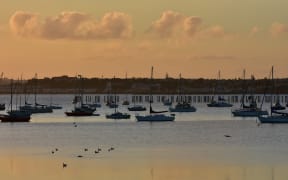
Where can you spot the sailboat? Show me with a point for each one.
(250, 110)
(117, 114)
(167, 102)
(36, 108)
(182, 106)
(277, 105)
(2, 106)
(275, 116)
(136, 107)
(15, 115)
(110, 102)
(221, 102)
(154, 116)
(80, 109)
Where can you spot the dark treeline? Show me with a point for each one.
(65, 84)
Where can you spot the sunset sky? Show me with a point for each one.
(105, 38)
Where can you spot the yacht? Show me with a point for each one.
(154, 116)
(275, 116)
(2, 107)
(167, 102)
(15, 115)
(137, 108)
(80, 109)
(36, 108)
(183, 107)
(117, 114)
(251, 110)
(221, 101)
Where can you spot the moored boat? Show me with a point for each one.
(275, 116)
(154, 116)
(80, 109)
(251, 110)
(137, 108)
(2, 107)
(15, 115)
(118, 115)
(183, 107)
(221, 101)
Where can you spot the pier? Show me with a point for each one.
(195, 98)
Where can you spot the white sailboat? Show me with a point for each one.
(275, 116)
(154, 116)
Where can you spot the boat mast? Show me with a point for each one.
(244, 84)
(81, 89)
(35, 90)
(219, 76)
(272, 78)
(150, 99)
(21, 87)
(11, 95)
(115, 104)
(179, 89)
(126, 81)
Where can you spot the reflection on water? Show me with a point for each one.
(34, 168)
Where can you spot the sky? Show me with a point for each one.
(196, 38)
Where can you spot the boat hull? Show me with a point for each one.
(136, 108)
(273, 119)
(182, 109)
(249, 113)
(35, 109)
(118, 116)
(7, 118)
(155, 118)
(79, 113)
(219, 105)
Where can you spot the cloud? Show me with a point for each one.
(191, 25)
(72, 25)
(278, 29)
(215, 31)
(173, 24)
(254, 30)
(167, 23)
(25, 24)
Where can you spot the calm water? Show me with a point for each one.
(192, 147)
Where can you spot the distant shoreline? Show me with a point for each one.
(72, 85)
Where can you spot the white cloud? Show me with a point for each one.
(72, 25)
(176, 25)
(166, 25)
(255, 30)
(278, 29)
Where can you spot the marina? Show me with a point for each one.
(199, 101)
(208, 139)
